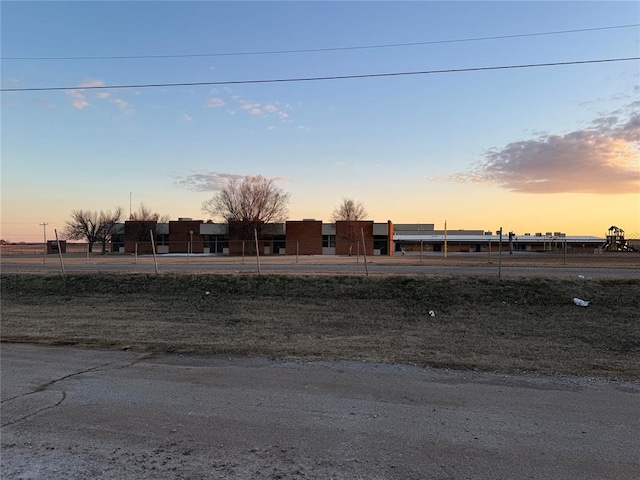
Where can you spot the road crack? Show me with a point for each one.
(46, 385)
(48, 407)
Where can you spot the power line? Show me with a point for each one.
(312, 79)
(330, 49)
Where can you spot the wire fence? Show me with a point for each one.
(313, 257)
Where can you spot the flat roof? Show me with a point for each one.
(495, 238)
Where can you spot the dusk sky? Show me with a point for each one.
(537, 149)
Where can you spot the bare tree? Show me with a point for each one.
(351, 212)
(252, 201)
(94, 227)
(146, 214)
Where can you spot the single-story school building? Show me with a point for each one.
(313, 237)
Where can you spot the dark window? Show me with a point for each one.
(328, 241)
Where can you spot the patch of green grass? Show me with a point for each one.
(479, 323)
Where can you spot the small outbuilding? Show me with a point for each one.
(55, 246)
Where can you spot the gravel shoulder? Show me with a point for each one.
(74, 413)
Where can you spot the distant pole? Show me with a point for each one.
(44, 255)
(130, 211)
(59, 252)
(565, 251)
(445, 239)
(255, 233)
(135, 254)
(243, 252)
(153, 249)
(366, 268)
(297, 250)
(421, 252)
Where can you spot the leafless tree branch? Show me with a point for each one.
(252, 201)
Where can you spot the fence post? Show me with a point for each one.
(59, 252)
(255, 232)
(297, 249)
(500, 256)
(153, 248)
(366, 268)
(243, 252)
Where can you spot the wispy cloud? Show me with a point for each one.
(266, 110)
(122, 105)
(186, 117)
(79, 99)
(604, 159)
(205, 181)
(252, 108)
(214, 102)
(210, 181)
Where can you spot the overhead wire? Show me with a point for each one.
(329, 49)
(323, 78)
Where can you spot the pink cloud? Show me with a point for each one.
(604, 159)
(79, 100)
(215, 102)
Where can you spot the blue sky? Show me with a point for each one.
(535, 149)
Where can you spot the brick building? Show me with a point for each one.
(313, 237)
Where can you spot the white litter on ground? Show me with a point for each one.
(580, 302)
(432, 313)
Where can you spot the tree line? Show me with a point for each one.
(252, 202)
(98, 227)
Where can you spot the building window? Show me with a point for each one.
(328, 241)
(216, 243)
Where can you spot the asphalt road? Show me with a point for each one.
(77, 414)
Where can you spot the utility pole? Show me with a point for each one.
(44, 255)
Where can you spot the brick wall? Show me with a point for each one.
(348, 232)
(138, 233)
(179, 236)
(304, 237)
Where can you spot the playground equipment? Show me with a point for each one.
(615, 240)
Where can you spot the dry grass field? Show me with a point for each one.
(477, 323)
